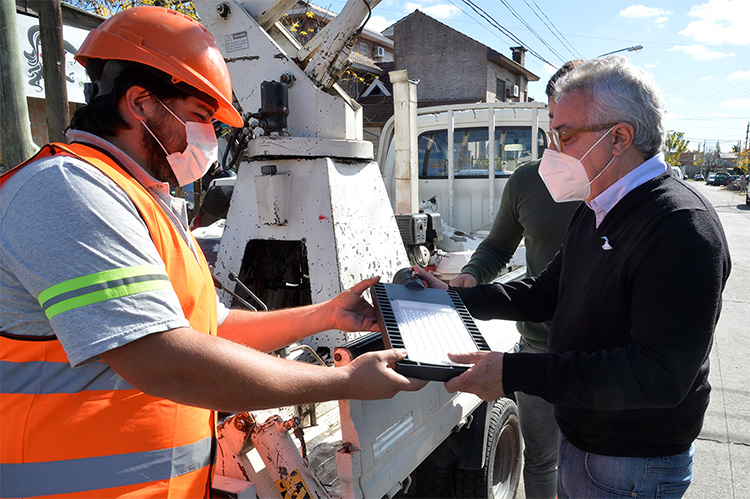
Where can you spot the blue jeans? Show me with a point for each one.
(540, 437)
(583, 474)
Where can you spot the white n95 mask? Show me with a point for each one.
(201, 152)
(565, 177)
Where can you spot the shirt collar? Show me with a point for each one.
(174, 208)
(142, 176)
(604, 202)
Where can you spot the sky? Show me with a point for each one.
(697, 51)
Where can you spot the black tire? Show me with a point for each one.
(433, 478)
(501, 473)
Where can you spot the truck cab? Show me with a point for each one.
(455, 154)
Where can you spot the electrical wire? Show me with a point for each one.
(505, 31)
(533, 32)
(553, 29)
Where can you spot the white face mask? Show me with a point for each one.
(565, 177)
(201, 152)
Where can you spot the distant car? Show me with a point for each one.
(722, 178)
(698, 176)
(711, 177)
(677, 172)
(747, 197)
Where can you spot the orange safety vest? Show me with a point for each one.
(86, 432)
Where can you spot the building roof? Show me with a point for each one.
(362, 62)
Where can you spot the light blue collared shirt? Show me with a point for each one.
(604, 202)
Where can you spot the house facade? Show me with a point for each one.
(452, 67)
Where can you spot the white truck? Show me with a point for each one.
(460, 186)
(309, 217)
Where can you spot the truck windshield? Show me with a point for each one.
(471, 151)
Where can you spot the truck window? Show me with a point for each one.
(471, 151)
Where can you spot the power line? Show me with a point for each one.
(504, 30)
(553, 29)
(533, 32)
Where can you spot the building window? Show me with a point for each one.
(363, 49)
(500, 90)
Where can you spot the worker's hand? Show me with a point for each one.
(372, 376)
(429, 279)
(350, 312)
(464, 281)
(484, 379)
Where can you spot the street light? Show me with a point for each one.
(634, 48)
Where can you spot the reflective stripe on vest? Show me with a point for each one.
(62, 477)
(85, 431)
(44, 377)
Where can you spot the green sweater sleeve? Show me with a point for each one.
(494, 253)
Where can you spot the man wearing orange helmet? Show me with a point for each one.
(113, 347)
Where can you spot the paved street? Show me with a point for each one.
(722, 461)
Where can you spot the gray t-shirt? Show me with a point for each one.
(62, 219)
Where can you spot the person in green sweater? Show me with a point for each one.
(528, 211)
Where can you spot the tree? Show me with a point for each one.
(743, 160)
(676, 144)
(108, 8)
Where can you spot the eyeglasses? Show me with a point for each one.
(556, 135)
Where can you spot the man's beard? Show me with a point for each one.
(156, 158)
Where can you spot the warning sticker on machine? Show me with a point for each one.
(236, 41)
(292, 487)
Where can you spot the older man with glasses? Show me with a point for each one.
(627, 367)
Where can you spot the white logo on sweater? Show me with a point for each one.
(606, 246)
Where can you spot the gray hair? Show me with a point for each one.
(618, 91)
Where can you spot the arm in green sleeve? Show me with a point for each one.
(494, 253)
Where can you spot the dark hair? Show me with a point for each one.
(101, 116)
(565, 69)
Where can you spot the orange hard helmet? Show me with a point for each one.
(170, 42)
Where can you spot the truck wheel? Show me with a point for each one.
(501, 473)
(434, 476)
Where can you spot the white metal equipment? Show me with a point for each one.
(310, 214)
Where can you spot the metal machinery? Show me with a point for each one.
(309, 218)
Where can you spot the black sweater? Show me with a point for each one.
(632, 325)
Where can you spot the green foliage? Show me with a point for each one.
(676, 144)
(743, 160)
(108, 8)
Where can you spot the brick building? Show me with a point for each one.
(451, 66)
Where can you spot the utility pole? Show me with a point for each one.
(15, 140)
(53, 64)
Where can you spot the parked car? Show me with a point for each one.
(698, 176)
(722, 178)
(710, 178)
